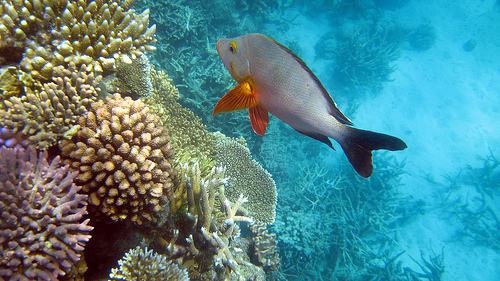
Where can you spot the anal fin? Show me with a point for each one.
(259, 119)
(321, 138)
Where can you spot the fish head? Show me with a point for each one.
(234, 53)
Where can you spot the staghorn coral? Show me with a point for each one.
(11, 139)
(88, 32)
(210, 227)
(41, 230)
(124, 158)
(198, 192)
(50, 112)
(265, 247)
(139, 264)
(363, 58)
(247, 177)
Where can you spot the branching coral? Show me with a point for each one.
(83, 32)
(124, 158)
(363, 59)
(11, 139)
(49, 112)
(59, 40)
(213, 236)
(41, 230)
(247, 177)
(141, 264)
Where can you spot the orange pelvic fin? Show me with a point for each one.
(239, 98)
(259, 119)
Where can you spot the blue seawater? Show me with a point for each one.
(425, 71)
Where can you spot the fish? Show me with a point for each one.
(272, 79)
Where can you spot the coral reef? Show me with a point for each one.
(124, 158)
(49, 112)
(41, 231)
(56, 33)
(190, 139)
(477, 214)
(11, 139)
(363, 58)
(247, 177)
(134, 75)
(63, 48)
(141, 264)
(422, 38)
(265, 247)
(210, 227)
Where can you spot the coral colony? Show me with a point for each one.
(105, 175)
(43, 232)
(80, 151)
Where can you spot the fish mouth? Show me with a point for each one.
(218, 46)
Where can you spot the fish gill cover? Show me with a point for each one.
(401, 67)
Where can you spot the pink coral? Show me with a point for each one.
(41, 228)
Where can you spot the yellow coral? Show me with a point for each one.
(88, 32)
(190, 139)
(48, 112)
(124, 159)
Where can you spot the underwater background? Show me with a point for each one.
(425, 71)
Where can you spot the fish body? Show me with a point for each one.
(272, 79)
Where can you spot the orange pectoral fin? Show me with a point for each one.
(259, 119)
(240, 97)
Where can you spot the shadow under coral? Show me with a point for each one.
(110, 241)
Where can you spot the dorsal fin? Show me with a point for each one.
(333, 109)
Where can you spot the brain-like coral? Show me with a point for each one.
(48, 112)
(124, 158)
(41, 229)
(265, 247)
(247, 177)
(139, 264)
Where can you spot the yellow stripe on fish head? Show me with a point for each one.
(234, 53)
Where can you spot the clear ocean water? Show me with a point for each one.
(425, 71)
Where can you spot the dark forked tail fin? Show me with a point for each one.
(359, 144)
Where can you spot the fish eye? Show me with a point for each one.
(232, 47)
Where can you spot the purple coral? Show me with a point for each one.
(9, 138)
(41, 228)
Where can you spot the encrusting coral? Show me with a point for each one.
(134, 75)
(124, 158)
(247, 177)
(190, 139)
(41, 230)
(141, 264)
(50, 112)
